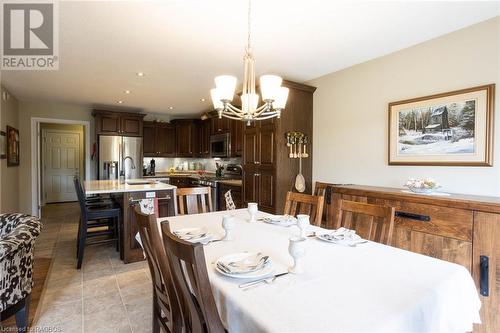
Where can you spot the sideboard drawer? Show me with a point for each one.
(443, 221)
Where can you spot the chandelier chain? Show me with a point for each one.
(249, 25)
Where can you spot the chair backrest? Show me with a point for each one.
(189, 273)
(300, 203)
(164, 290)
(80, 195)
(194, 200)
(373, 222)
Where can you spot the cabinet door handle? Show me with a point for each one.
(413, 216)
(484, 269)
(257, 162)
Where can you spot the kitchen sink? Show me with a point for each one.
(140, 182)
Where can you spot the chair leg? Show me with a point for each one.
(156, 323)
(81, 244)
(22, 316)
(78, 237)
(120, 236)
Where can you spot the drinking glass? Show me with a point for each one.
(252, 210)
(303, 224)
(228, 225)
(297, 249)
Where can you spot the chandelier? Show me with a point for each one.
(274, 95)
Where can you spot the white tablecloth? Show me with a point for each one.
(368, 288)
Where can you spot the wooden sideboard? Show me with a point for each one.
(463, 229)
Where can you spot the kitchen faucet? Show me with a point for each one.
(131, 162)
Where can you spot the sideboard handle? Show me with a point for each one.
(412, 216)
(484, 266)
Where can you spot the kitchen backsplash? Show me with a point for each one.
(163, 164)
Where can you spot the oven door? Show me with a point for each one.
(220, 145)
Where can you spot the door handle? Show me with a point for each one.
(484, 268)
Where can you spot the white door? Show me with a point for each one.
(61, 162)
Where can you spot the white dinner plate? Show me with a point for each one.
(267, 270)
(186, 233)
(281, 220)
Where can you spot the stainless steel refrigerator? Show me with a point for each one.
(120, 153)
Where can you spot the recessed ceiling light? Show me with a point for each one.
(171, 107)
(141, 74)
(127, 92)
(203, 100)
(119, 102)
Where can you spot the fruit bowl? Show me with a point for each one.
(422, 186)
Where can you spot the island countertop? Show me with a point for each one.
(131, 185)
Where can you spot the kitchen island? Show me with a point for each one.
(128, 195)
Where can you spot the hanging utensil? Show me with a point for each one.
(300, 182)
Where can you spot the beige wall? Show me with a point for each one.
(9, 176)
(38, 109)
(350, 109)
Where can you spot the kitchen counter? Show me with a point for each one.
(232, 182)
(191, 174)
(114, 186)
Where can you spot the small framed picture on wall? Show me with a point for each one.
(12, 146)
(3, 145)
(453, 128)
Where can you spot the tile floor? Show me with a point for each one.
(104, 296)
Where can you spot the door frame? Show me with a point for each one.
(44, 155)
(35, 156)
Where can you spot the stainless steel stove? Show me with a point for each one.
(233, 171)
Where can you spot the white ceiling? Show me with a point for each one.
(181, 45)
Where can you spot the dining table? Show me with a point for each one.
(369, 287)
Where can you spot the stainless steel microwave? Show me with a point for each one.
(220, 145)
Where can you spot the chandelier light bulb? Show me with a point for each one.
(281, 98)
(226, 85)
(269, 86)
(216, 100)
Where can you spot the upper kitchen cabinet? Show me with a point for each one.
(118, 123)
(187, 133)
(220, 125)
(204, 130)
(236, 129)
(159, 139)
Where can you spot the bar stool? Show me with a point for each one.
(104, 216)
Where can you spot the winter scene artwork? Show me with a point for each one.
(453, 128)
(438, 129)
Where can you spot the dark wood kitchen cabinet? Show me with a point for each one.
(236, 129)
(118, 123)
(159, 139)
(204, 130)
(220, 125)
(268, 172)
(187, 143)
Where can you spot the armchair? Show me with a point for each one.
(18, 233)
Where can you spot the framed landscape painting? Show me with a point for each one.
(453, 128)
(12, 146)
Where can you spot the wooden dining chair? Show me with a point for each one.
(299, 203)
(194, 200)
(166, 306)
(373, 222)
(190, 277)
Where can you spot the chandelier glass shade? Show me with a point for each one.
(274, 96)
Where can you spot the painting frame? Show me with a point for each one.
(483, 118)
(13, 158)
(3, 145)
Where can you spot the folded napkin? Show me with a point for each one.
(191, 235)
(283, 220)
(341, 235)
(245, 265)
(149, 206)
